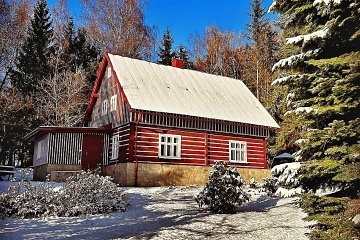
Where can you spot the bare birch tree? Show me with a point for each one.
(118, 27)
(218, 52)
(62, 99)
(14, 20)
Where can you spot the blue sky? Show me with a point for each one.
(188, 17)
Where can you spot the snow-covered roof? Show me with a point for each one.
(158, 88)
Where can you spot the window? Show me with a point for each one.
(113, 103)
(237, 151)
(104, 107)
(169, 146)
(109, 72)
(39, 149)
(115, 147)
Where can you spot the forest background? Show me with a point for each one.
(304, 67)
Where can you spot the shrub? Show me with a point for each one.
(90, 193)
(270, 186)
(223, 189)
(85, 193)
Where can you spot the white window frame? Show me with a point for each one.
(39, 150)
(237, 151)
(113, 103)
(104, 107)
(169, 146)
(115, 141)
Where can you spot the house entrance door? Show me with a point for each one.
(92, 151)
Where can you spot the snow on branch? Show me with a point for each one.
(327, 2)
(272, 6)
(294, 59)
(307, 37)
(279, 81)
(286, 173)
(300, 110)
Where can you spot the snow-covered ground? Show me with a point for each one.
(169, 213)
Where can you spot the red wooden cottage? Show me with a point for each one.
(168, 124)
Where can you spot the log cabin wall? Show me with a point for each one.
(140, 142)
(109, 88)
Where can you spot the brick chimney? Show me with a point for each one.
(177, 63)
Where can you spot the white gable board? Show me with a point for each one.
(153, 87)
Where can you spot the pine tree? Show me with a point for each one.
(322, 81)
(86, 54)
(166, 54)
(33, 61)
(258, 23)
(260, 55)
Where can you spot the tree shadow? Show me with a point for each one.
(262, 204)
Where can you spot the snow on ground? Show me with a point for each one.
(170, 213)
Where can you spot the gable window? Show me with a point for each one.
(113, 103)
(237, 151)
(109, 72)
(115, 147)
(104, 107)
(169, 146)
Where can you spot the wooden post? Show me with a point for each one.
(206, 135)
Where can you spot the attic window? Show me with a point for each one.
(113, 103)
(104, 107)
(109, 72)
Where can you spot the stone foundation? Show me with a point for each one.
(150, 175)
(57, 172)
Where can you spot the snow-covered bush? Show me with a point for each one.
(85, 193)
(287, 175)
(30, 201)
(270, 185)
(5, 205)
(223, 190)
(90, 193)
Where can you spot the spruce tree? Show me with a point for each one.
(33, 61)
(322, 79)
(86, 54)
(258, 22)
(260, 55)
(166, 53)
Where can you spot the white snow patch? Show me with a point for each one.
(318, 34)
(290, 96)
(293, 59)
(326, 2)
(170, 213)
(286, 193)
(300, 110)
(280, 80)
(297, 155)
(326, 190)
(300, 141)
(303, 109)
(271, 8)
